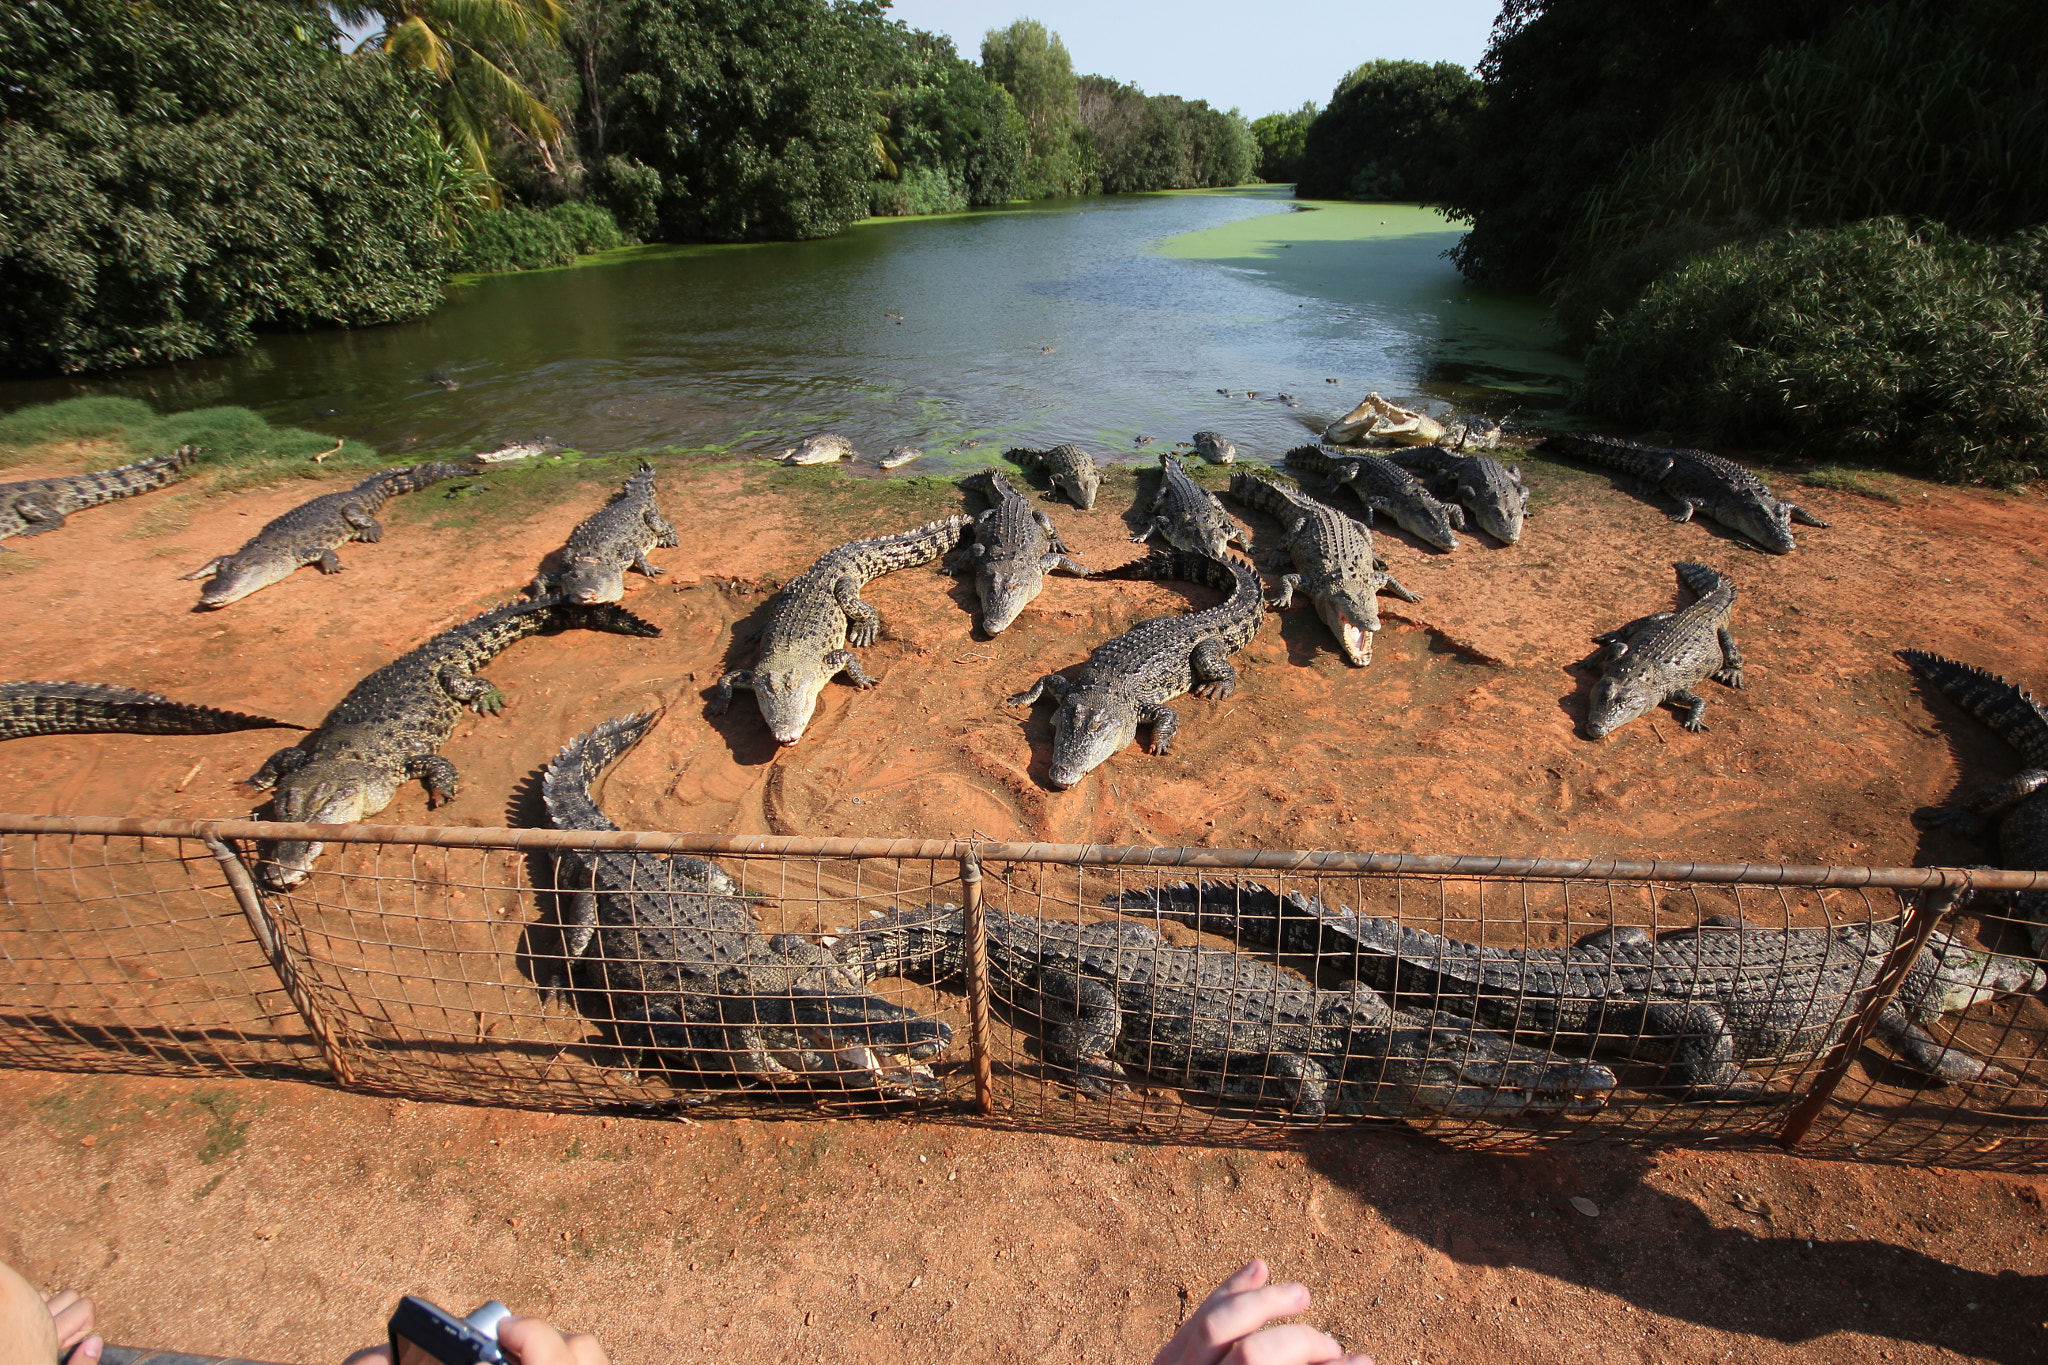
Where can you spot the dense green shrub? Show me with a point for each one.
(534, 239)
(955, 137)
(175, 176)
(1393, 130)
(917, 190)
(1870, 342)
(1161, 142)
(1280, 138)
(632, 192)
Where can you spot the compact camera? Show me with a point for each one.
(422, 1334)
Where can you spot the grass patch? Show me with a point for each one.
(225, 1134)
(1864, 483)
(240, 448)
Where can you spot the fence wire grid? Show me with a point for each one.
(1103, 992)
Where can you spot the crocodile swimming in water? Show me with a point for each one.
(1702, 1001)
(1072, 470)
(614, 538)
(34, 507)
(1109, 995)
(309, 533)
(1188, 515)
(1701, 483)
(1334, 564)
(1215, 448)
(76, 708)
(688, 979)
(1493, 495)
(1015, 547)
(816, 616)
(1662, 658)
(1127, 680)
(2018, 805)
(390, 726)
(1385, 488)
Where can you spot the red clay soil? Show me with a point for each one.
(281, 1221)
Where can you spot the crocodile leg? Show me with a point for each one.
(1285, 598)
(640, 565)
(1157, 526)
(1695, 717)
(480, 694)
(1059, 559)
(208, 570)
(863, 622)
(1211, 662)
(1082, 1023)
(843, 661)
(1686, 507)
(1918, 1049)
(1701, 1058)
(35, 509)
(328, 562)
(665, 536)
(436, 774)
(721, 695)
(2009, 793)
(279, 764)
(368, 528)
(1731, 661)
(1051, 685)
(1394, 588)
(1800, 514)
(1165, 723)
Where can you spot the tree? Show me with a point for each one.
(1393, 130)
(1280, 140)
(957, 135)
(1031, 62)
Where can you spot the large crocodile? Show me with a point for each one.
(1072, 470)
(309, 533)
(1112, 994)
(1661, 658)
(2020, 803)
(614, 538)
(1701, 483)
(817, 615)
(391, 724)
(1385, 487)
(1015, 547)
(1127, 680)
(1215, 447)
(1188, 515)
(688, 979)
(1702, 1001)
(1334, 561)
(1493, 495)
(36, 506)
(75, 708)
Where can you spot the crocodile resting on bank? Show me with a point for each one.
(1334, 561)
(817, 615)
(76, 708)
(390, 726)
(1661, 658)
(1015, 547)
(1386, 488)
(1112, 994)
(614, 538)
(2020, 803)
(1702, 1001)
(309, 533)
(688, 980)
(1493, 495)
(1071, 470)
(1188, 515)
(37, 506)
(1127, 680)
(1701, 483)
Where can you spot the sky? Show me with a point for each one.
(1259, 59)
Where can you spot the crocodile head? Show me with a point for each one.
(1764, 519)
(1617, 700)
(1446, 1065)
(1081, 483)
(319, 794)
(587, 580)
(1088, 728)
(1004, 595)
(234, 581)
(789, 698)
(1950, 975)
(927, 944)
(1352, 617)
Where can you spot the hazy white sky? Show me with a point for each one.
(1258, 58)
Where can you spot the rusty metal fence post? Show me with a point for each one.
(976, 929)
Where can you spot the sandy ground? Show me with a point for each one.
(280, 1220)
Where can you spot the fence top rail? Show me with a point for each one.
(1298, 861)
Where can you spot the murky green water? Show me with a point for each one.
(1092, 320)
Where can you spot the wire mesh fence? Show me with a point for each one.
(1159, 995)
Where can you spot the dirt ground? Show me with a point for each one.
(278, 1220)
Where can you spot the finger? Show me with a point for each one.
(534, 1342)
(72, 1313)
(1223, 1321)
(585, 1350)
(1292, 1344)
(87, 1352)
(370, 1355)
(1251, 1275)
(59, 1301)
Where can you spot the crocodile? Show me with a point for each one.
(76, 708)
(2020, 803)
(1072, 470)
(1188, 516)
(390, 725)
(1214, 448)
(1493, 495)
(37, 506)
(817, 615)
(1701, 1001)
(1701, 483)
(1111, 994)
(1334, 562)
(1661, 658)
(688, 979)
(899, 456)
(1015, 546)
(1383, 486)
(614, 538)
(1382, 423)
(1127, 680)
(826, 449)
(309, 533)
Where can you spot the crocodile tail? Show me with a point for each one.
(71, 708)
(565, 784)
(2011, 712)
(641, 485)
(1317, 460)
(1264, 494)
(1705, 581)
(125, 481)
(905, 549)
(992, 478)
(1629, 456)
(605, 616)
(1186, 566)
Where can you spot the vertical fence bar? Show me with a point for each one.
(976, 927)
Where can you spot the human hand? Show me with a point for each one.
(1230, 1327)
(71, 1312)
(529, 1341)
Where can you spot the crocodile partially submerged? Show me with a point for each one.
(687, 978)
(389, 727)
(76, 708)
(1701, 483)
(309, 534)
(1334, 562)
(817, 615)
(1110, 995)
(35, 507)
(1378, 422)
(1215, 448)
(829, 448)
(1071, 470)
(1128, 680)
(1385, 488)
(614, 538)
(1701, 1001)
(1661, 658)
(2018, 805)
(1015, 547)
(1493, 495)
(1188, 516)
